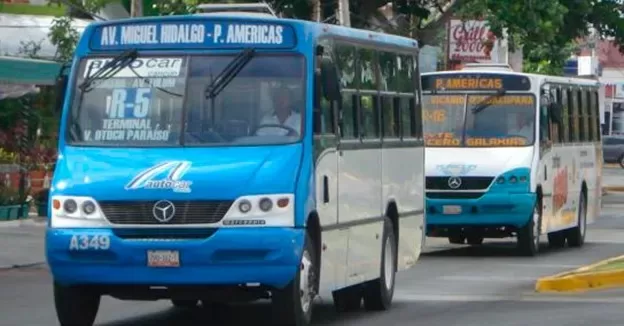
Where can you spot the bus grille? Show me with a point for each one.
(186, 212)
(454, 195)
(467, 183)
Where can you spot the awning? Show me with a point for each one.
(28, 71)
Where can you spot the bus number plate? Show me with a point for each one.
(451, 209)
(163, 258)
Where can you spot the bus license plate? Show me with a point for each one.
(163, 258)
(451, 209)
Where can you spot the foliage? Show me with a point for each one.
(55, 10)
(11, 196)
(64, 37)
(544, 29)
(7, 157)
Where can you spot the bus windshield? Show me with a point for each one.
(163, 101)
(461, 120)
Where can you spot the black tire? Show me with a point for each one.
(378, 293)
(349, 299)
(287, 302)
(75, 306)
(556, 239)
(474, 240)
(187, 304)
(529, 235)
(576, 235)
(456, 239)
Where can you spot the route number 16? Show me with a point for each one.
(118, 102)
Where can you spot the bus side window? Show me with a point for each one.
(544, 116)
(324, 110)
(347, 115)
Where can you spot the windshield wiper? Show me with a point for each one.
(487, 101)
(108, 70)
(229, 72)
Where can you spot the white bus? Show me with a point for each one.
(511, 154)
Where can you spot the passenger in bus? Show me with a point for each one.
(523, 126)
(283, 115)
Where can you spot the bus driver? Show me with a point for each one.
(284, 115)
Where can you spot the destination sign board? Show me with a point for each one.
(475, 82)
(192, 34)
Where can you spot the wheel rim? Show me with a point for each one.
(536, 226)
(582, 217)
(306, 290)
(389, 263)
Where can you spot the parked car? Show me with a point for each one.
(613, 149)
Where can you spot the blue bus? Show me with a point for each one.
(208, 159)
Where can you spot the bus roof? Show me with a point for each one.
(536, 77)
(315, 28)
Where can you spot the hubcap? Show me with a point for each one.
(536, 226)
(389, 263)
(306, 284)
(583, 212)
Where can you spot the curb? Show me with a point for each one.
(31, 221)
(582, 279)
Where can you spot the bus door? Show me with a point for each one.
(325, 126)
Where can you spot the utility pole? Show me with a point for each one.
(136, 8)
(343, 14)
(316, 10)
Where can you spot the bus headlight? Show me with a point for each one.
(75, 211)
(261, 210)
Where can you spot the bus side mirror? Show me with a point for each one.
(329, 80)
(60, 89)
(556, 112)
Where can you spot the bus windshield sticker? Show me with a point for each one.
(192, 35)
(495, 141)
(144, 67)
(475, 82)
(164, 176)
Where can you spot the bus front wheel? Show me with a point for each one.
(293, 304)
(576, 235)
(378, 293)
(75, 305)
(529, 235)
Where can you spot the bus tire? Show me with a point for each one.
(529, 235)
(184, 303)
(75, 305)
(293, 304)
(576, 235)
(378, 293)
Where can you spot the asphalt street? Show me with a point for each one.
(451, 285)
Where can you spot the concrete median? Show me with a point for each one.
(604, 274)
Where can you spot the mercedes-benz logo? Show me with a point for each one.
(163, 211)
(454, 182)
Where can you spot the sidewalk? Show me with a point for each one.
(22, 243)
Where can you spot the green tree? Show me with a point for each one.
(547, 30)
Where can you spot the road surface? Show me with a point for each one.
(451, 285)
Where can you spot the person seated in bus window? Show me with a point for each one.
(523, 126)
(283, 115)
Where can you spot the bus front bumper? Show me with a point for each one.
(491, 209)
(269, 256)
